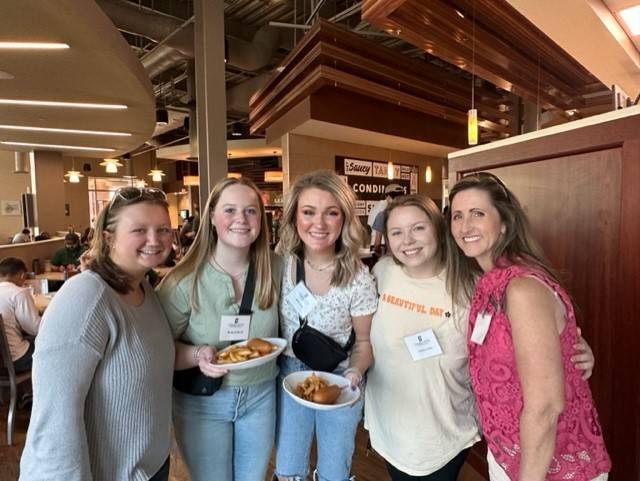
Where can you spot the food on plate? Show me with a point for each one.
(326, 395)
(317, 390)
(262, 346)
(253, 349)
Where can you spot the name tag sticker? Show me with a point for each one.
(302, 300)
(423, 345)
(481, 327)
(234, 328)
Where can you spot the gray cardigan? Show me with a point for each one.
(102, 373)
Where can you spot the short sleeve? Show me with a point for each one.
(378, 224)
(364, 298)
(176, 306)
(26, 312)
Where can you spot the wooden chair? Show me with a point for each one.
(9, 378)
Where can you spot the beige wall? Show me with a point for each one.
(11, 186)
(301, 154)
(41, 250)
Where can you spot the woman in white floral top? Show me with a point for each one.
(319, 229)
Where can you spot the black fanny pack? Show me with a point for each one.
(192, 381)
(315, 349)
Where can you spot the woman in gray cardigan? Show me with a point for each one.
(104, 358)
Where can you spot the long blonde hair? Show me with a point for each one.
(204, 245)
(348, 261)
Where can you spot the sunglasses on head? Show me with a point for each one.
(132, 193)
(494, 178)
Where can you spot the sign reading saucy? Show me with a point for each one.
(368, 179)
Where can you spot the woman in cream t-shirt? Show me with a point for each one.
(419, 406)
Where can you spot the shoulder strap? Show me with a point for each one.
(249, 288)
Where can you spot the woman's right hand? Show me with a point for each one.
(205, 357)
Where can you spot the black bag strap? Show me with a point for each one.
(300, 278)
(249, 288)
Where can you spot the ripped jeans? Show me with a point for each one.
(335, 433)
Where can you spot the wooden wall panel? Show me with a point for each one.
(584, 209)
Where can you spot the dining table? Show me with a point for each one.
(42, 301)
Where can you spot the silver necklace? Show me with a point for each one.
(319, 268)
(234, 276)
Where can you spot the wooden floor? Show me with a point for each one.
(365, 467)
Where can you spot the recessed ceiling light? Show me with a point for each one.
(6, 76)
(47, 103)
(33, 46)
(631, 17)
(460, 14)
(53, 146)
(64, 131)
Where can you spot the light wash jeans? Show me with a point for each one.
(227, 436)
(335, 432)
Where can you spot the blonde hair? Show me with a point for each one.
(204, 245)
(348, 262)
(434, 215)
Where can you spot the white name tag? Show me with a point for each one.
(235, 328)
(302, 300)
(423, 345)
(481, 327)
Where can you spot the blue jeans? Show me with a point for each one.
(335, 433)
(227, 436)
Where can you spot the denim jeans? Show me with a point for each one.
(227, 436)
(335, 433)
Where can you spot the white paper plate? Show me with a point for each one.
(258, 361)
(347, 396)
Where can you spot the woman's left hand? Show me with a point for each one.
(583, 358)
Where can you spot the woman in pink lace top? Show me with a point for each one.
(536, 410)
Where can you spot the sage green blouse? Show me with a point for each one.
(215, 299)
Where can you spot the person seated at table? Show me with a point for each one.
(22, 237)
(68, 258)
(43, 236)
(19, 313)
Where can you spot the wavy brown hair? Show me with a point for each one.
(434, 215)
(351, 238)
(100, 261)
(204, 244)
(516, 245)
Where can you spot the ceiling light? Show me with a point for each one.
(141, 184)
(274, 176)
(234, 175)
(48, 103)
(6, 76)
(472, 126)
(33, 46)
(460, 14)
(390, 170)
(162, 117)
(64, 131)
(54, 146)
(237, 130)
(111, 165)
(631, 17)
(156, 175)
(428, 175)
(73, 176)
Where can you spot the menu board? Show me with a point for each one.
(368, 179)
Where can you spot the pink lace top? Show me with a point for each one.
(580, 453)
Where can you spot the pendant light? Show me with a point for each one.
(390, 170)
(428, 175)
(73, 175)
(156, 174)
(111, 165)
(472, 115)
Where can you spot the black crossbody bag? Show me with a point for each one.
(192, 381)
(315, 349)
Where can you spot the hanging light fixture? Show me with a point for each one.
(156, 174)
(390, 170)
(428, 175)
(472, 115)
(73, 175)
(111, 165)
(141, 184)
